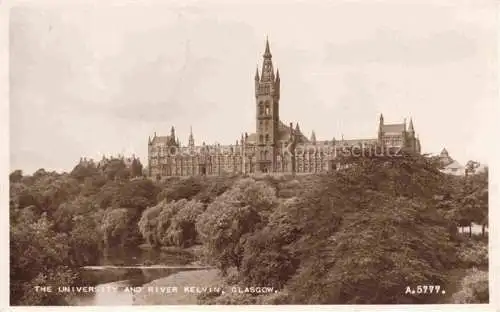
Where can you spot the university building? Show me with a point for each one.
(273, 148)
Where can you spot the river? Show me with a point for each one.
(131, 267)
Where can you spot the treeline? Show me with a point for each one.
(333, 238)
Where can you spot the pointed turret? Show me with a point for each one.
(410, 127)
(267, 74)
(277, 74)
(191, 137)
(380, 128)
(257, 74)
(313, 137)
(172, 132)
(297, 128)
(267, 52)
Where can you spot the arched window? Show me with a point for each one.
(267, 138)
(261, 138)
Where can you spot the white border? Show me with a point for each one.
(5, 170)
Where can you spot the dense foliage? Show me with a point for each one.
(358, 235)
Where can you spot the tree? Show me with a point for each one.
(385, 244)
(16, 176)
(267, 260)
(116, 169)
(136, 194)
(184, 188)
(165, 217)
(182, 230)
(85, 238)
(115, 227)
(82, 171)
(223, 227)
(471, 166)
(148, 224)
(136, 168)
(231, 218)
(37, 254)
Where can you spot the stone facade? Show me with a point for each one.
(274, 147)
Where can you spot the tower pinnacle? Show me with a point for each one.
(313, 137)
(191, 137)
(267, 73)
(267, 53)
(410, 127)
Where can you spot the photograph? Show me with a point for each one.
(250, 153)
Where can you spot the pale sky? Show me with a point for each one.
(87, 80)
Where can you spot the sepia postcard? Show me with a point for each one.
(250, 153)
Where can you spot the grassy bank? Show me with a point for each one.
(199, 278)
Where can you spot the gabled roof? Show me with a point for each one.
(161, 139)
(454, 165)
(393, 128)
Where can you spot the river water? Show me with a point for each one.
(125, 268)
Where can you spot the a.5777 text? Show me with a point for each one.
(424, 289)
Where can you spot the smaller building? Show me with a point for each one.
(454, 168)
(449, 165)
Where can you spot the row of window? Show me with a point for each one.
(180, 162)
(264, 89)
(393, 141)
(264, 139)
(228, 162)
(264, 124)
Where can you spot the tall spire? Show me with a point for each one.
(410, 127)
(172, 139)
(380, 125)
(297, 128)
(267, 53)
(257, 73)
(313, 137)
(191, 137)
(267, 74)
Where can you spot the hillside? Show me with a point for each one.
(358, 235)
